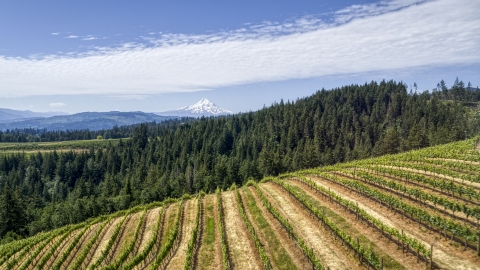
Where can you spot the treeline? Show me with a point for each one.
(458, 91)
(43, 135)
(47, 190)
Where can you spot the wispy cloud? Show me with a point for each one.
(127, 97)
(360, 11)
(72, 36)
(89, 38)
(388, 36)
(56, 105)
(55, 34)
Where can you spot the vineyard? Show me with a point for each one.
(415, 210)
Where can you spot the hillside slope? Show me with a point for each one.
(9, 115)
(85, 120)
(378, 213)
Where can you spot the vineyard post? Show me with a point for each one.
(431, 256)
(478, 245)
(358, 248)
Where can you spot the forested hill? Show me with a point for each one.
(49, 189)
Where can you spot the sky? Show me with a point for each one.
(154, 56)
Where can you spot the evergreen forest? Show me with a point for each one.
(49, 189)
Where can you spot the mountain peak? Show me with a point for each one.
(204, 101)
(202, 108)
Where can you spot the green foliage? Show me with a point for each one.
(84, 253)
(96, 177)
(148, 248)
(422, 195)
(223, 233)
(192, 243)
(172, 237)
(258, 245)
(415, 213)
(366, 252)
(128, 248)
(57, 265)
(414, 243)
(110, 243)
(305, 249)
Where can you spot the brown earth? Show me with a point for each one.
(457, 160)
(124, 239)
(433, 209)
(210, 256)
(381, 245)
(242, 249)
(423, 187)
(104, 240)
(293, 250)
(326, 249)
(179, 259)
(170, 216)
(42, 252)
(457, 180)
(445, 253)
(61, 249)
(151, 219)
(80, 245)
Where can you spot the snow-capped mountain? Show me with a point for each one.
(202, 108)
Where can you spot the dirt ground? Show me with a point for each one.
(210, 253)
(445, 253)
(178, 260)
(59, 251)
(326, 249)
(382, 246)
(104, 240)
(242, 249)
(81, 244)
(170, 215)
(151, 220)
(424, 187)
(293, 250)
(436, 193)
(42, 252)
(436, 210)
(457, 180)
(125, 238)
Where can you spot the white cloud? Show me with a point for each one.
(372, 9)
(72, 36)
(387, 36)
(55, 34)
(55, 105)
(127, 97)
(89, 38)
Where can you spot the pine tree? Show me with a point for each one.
(12, 212)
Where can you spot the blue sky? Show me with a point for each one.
(156, 56)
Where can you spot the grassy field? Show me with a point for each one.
(389, 212)
(58, 146)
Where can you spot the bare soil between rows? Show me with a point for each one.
(243, 253)
(446, 253)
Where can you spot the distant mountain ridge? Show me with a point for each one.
(86, 120)
(202, 108)
(12, 119)
(7, 115)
